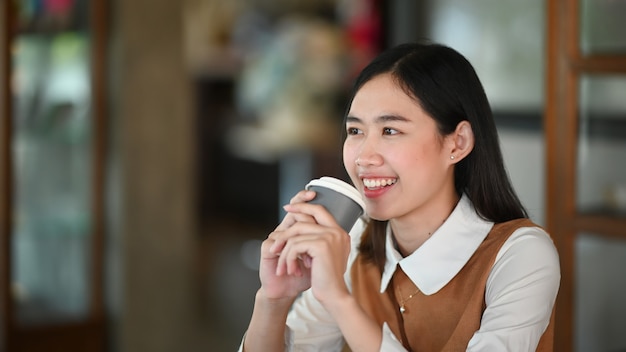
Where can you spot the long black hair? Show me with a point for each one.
(447, 88)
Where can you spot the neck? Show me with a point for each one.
(410, 233)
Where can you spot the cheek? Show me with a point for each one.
(418, 162)
(348, 157)
(349, 162)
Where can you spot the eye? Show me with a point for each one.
(389, 131)
(353, 131)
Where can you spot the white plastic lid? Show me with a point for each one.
(339, 186)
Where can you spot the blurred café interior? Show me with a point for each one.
(146, 148)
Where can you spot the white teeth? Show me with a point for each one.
(377, 183)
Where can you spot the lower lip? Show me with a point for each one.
(374, 193)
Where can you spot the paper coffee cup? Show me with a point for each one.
(341, 199)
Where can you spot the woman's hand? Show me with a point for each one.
(312, 246)
(307, 249)
(284, 286)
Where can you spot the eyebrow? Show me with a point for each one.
(379, 119)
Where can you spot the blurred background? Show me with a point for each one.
(146, 148)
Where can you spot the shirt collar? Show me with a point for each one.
(444, 254)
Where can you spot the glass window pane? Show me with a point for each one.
(602, 26)
(52, 163)
(503, 39)
(600, 307)
(602, 145)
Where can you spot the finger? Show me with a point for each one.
(300, 217)
(276, 242)
(318, 212)
(307, 261)
(302, 197)
(293, 217)
(267, 248)
(292, 259)
(297, 256)
(287, 222)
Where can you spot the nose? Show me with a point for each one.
(367, 154)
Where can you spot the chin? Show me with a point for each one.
(378, 217)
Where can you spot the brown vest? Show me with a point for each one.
(446, 320)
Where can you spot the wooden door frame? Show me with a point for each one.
(90, 334)
(6, 308)
(565, 66)
(560, 132)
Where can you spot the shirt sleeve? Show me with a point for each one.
(520, 293)
(311, 328)
(309, 325)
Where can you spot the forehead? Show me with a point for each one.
(384, 95)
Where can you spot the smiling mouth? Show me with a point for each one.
(378, 183)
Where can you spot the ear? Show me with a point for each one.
(461, 141)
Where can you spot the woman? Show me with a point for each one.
(446, 259)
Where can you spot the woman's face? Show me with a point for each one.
(395, 155)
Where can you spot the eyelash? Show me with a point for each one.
(352, 131)
(389, 131)
(385, 131)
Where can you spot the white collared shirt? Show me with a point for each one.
(520, 293)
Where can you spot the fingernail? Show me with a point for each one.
(308, 261)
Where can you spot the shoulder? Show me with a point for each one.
(521, 290)
(528, 256)
(521, 236)
(528, 239)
